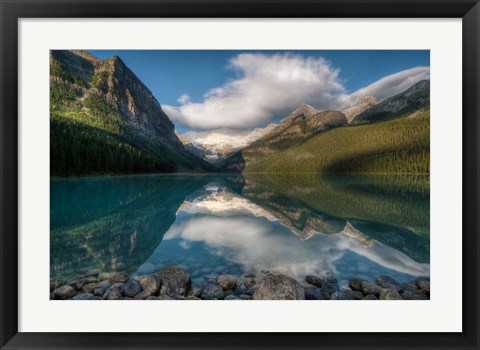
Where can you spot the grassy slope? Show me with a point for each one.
(88, 137)
(394, 146)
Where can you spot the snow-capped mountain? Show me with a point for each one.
(213, 145)
(219, 201)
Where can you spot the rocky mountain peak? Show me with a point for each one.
(85, 54)
(305, 109)
(362, 105)
(407, 102)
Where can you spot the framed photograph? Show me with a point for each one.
(215, 174)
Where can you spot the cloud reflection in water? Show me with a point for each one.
(229, 226)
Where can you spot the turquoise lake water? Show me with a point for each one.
(343, 225)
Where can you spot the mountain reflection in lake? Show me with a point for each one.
(349, 226)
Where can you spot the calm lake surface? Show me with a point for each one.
(344, 225)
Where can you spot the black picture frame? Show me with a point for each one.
(12, 11)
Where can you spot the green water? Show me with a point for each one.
(349, 226)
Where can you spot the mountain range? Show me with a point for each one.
(214, 145)
(392, 136)
(105, 120)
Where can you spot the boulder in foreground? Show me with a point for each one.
(174, 281)
(279, 287)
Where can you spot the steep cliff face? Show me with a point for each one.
(105, 96)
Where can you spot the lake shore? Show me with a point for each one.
(173, 283)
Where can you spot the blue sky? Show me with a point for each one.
(170, 74)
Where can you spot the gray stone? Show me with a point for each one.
(246, 297)
(99, 291)
(424, 284)
(356, 283)
(164, 297)
(249, 291)
(196, 291)
(72, 282)
(174, 281)
(102, 284)
(192, 298)
(227, 282)
(115, 293)
(390, 294)
(306, 285)
(315, 280)
(150, 284)
(142, 295)
(355, 294)
(120, 277)
(279, 287)
(248, 282)
(82, 281)
(371, 288)
(132, 288)
(340, 296)
(314, 293)
(370, 297)
(86, 296)
(327, 290)
(88, 288)
(389, 283)
(212, 291)
(64, 292)
(231, 297)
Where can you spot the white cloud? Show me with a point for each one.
(183, 99)
(270, 86)
(392, 84)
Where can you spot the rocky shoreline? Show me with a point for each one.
(174, 283)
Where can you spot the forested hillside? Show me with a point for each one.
(395, 146)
